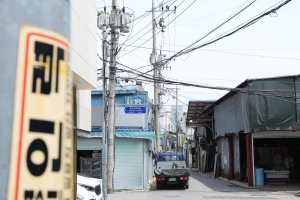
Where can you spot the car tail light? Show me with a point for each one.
(160, 179)
(184, 178)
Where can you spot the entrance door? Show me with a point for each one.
(129, 164)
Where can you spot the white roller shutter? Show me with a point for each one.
(129, 164)
(89, 143)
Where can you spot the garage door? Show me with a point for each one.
(129, 164)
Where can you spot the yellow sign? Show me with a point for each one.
(182, 138)
(41, 165)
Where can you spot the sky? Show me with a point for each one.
(268, 48)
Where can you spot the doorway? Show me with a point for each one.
(243, 158)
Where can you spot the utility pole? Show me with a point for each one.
(177, 143)
(111, 106)
(104, 144)
(155, 76)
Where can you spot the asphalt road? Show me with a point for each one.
(201, 187)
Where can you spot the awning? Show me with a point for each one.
(195, 115)
(129, 134)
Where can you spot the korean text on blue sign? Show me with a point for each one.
(135, 110)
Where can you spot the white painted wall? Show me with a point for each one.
(84, 112)
(84, 57)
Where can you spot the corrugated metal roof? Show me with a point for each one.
(243, 85)
(195, 113)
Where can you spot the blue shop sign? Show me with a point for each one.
(135, 110)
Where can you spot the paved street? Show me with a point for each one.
(204, 188)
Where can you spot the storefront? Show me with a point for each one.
(278, 153)
(133, 157)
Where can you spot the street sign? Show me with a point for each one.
(135, 110)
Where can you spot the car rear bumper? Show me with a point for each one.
(171, 181)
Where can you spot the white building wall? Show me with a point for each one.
(168, 111)
(84, 112)
(84, 57)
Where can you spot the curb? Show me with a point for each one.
(133, 190)
(238, 184)
(228, 181)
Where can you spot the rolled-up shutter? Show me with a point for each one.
(129, 164)
(89, 143)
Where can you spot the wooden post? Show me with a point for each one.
(230, 157)
(249, 159)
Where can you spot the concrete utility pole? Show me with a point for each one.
(177, 143)
(155, 76)
(36, 101)
(111, 107)
(104, 144)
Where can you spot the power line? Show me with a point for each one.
(144, 33)
(226, 21)
(207, 16)
(228, 33)
(234, 30)
(240, 90)
(166, 26)
(243, 54)
(183, 83)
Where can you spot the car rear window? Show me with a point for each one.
(170, 157)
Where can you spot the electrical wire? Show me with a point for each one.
(151, 79)
(246, 24)
(144, 28)
(234, 30)
(160, 30)
(223, 23)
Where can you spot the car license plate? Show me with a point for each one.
(172, 179)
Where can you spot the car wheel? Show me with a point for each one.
(157, 187)
(187, 187)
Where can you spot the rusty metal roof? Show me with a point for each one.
(195, 113)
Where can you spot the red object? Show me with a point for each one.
(184, 178)
(160, 179)
(277, 151)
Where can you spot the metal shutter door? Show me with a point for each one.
(129, 164)
(89, 143)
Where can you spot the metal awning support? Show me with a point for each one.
(195, 115)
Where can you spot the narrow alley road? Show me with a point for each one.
(203, 188)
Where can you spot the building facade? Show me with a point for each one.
(83, 61)
(134, 137)
(256, 127)
(168, 124)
